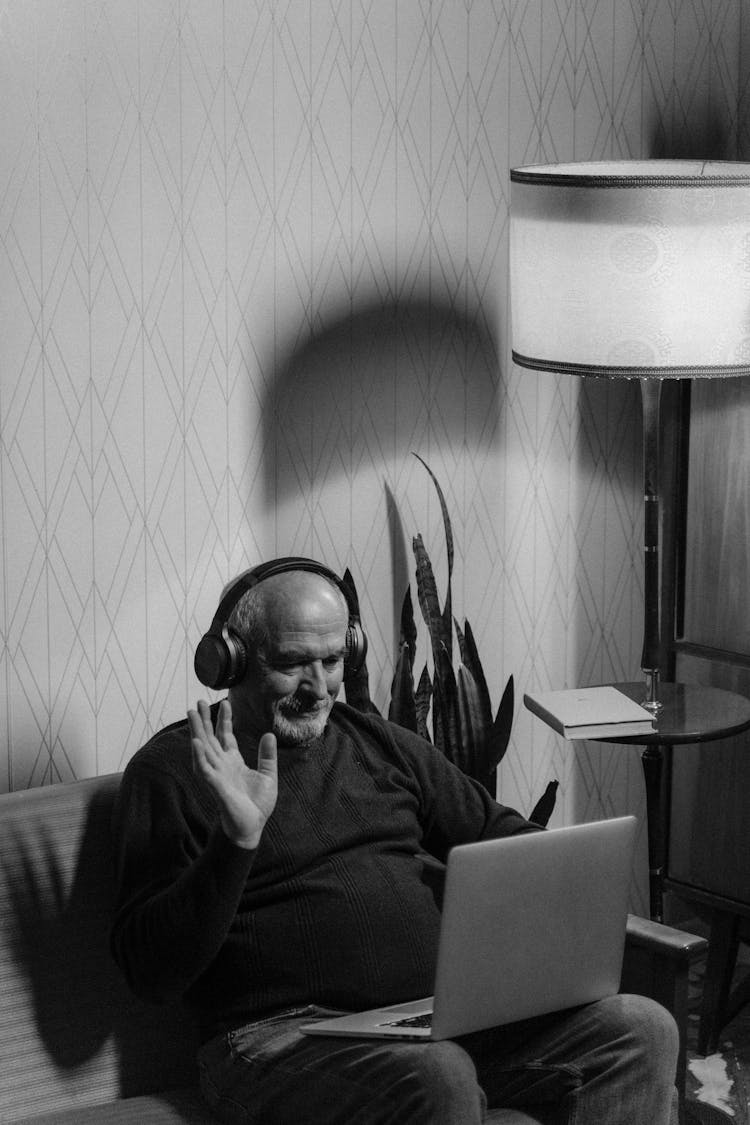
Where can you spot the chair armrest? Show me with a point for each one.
(657, 963)
(663, 941)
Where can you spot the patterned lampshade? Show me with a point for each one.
(631, 268)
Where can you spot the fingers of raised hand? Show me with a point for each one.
(224, 729)
(267, 756)
(200, 723)
(207, 750)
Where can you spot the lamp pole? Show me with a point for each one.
(650, 658)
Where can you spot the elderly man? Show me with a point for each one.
(274, 854)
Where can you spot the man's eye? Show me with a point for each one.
(332, 662)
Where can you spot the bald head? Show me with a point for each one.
(279, 601)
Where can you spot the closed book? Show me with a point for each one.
(592, 712)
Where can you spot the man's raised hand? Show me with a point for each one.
(246, 797)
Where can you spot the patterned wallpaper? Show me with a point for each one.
(252, 257)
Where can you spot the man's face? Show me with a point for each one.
(290, 687)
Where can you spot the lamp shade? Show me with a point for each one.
(631, 268)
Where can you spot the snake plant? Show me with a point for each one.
(463, 726)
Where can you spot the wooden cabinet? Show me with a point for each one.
(707, 618)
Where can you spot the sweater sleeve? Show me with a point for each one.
(179, 883)
(455, 809)
(458, 810)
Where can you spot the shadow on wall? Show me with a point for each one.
(370, 386)
(706, 135)
(69, 997)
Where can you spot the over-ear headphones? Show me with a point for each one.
(221, 655)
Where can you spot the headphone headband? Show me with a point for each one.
(221, 655)
(252, 577)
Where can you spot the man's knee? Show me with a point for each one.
(650, 1021)
(645, 1028)
(438, 1083)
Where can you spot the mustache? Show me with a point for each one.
(300, 706)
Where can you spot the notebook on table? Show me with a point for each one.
(531, 924)
(591, 712)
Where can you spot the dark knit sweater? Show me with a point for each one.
(337, 906)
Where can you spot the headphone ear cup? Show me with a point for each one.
(356, 648)
(210, 660)
(220, 659)
(237, 657)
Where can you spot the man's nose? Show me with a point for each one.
(315, 678)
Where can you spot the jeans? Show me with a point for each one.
(610, 1062)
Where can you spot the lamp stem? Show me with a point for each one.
(650, 659)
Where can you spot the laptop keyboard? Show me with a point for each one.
(425, 1020)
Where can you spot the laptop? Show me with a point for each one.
(531, 924)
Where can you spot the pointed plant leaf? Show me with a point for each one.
(446, 516)
(445, 708)
(499, 736)
(447, 621)
(448, 530)
(422, 699)
(473, 731)
(461, 641)
(408, 633)
(438, 722)
(428, 597)
(403, 708)
(474, 664)
(544, 807)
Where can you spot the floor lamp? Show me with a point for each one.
(635, 270)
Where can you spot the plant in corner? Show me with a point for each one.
(463, 727)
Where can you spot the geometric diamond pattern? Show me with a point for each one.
(254, 255)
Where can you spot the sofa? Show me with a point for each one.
(75, 1046)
